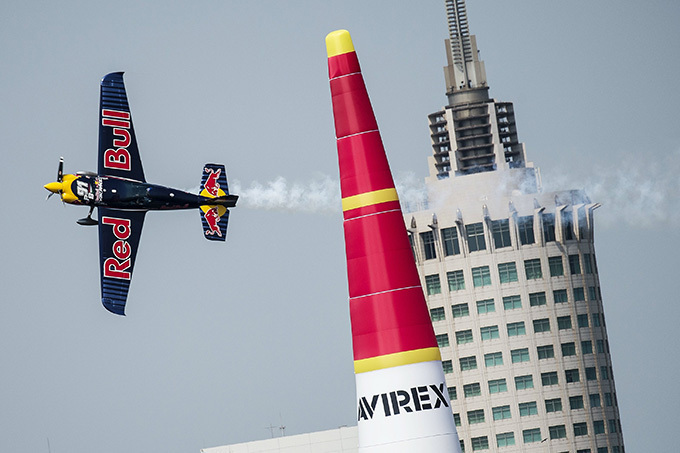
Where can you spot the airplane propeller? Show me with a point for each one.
(60, 177)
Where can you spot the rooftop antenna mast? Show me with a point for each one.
(464, 70)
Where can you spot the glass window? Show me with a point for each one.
(574, 265)
(600, 346)
(582, 320)
(450, 240)
(545, 352)
(516, 329)
(596, 320)
(591, 374)
(572, 375)
(536, 299)
(533, 269)
(560, 296)
(507, 272)
(555, 264)
(475, 236)
(497, 386)
(579, 294)
(529, 408)
(501, 412)
(505, 439)
(432, 284)
(453, 395)
(485, 306)
(437, 314)
(519, 355)
(500, 230)
(557, 432)
(563, 322)
(512, 302)
(468, 363)
(598, 427)
(553, 405)
(464, 336)
(604, 450)
(586, 347)
(442, 340)
(479, 443)
(493, 359)
(548, 227)
(576, 402)
(524, 382)
(472, 389)
(549, 378)
(525, 226)
(447, 365)
(568, 225)
(531, 435)
(476, 416)
(456, 420)
(429, 250)
(582, 223)
(456, 280)
(580, 429)
(595, 400)
(613, 427)
(541, 325)
(568, 349)
(460, 310)
(592, 293)
(604, 372)
(489, 332)
(587, 263)
(481, 276)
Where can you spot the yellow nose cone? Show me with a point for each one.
(54, 187)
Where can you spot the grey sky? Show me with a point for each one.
(223, 339)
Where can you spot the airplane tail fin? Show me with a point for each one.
(215, 216)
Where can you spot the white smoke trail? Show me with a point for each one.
(320, 195)
(641, 193)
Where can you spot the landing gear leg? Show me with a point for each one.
(88, 221)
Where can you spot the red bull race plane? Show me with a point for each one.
(122, 196)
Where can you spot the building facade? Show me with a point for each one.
(511, 279)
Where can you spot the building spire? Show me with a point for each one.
(464, 71)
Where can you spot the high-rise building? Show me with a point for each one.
(511, 279)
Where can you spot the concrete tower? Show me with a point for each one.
(511, 279)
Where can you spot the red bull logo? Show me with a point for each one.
(212, 218)
(118, 265)
(211, 185)
(117, 157)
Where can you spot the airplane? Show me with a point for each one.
(122, 196)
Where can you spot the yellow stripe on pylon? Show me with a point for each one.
(369, 198)
(397, 359)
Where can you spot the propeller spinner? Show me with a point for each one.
(57, 187)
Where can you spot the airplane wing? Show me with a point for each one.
(118, 152)
(119, 234)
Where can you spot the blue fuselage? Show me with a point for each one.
(127, 194)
